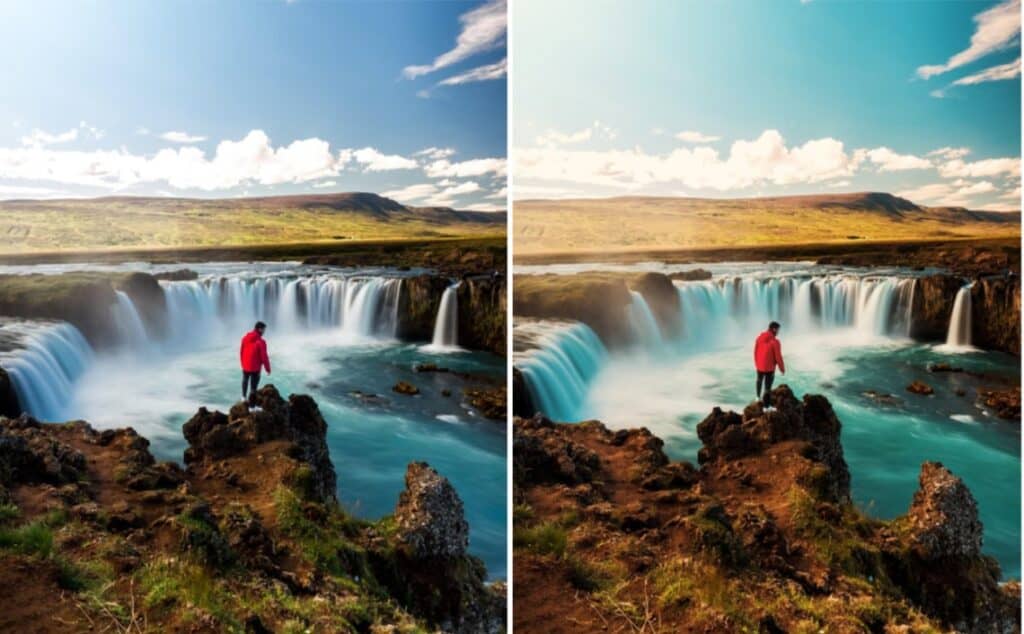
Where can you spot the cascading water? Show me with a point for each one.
(642, 322)
(959, 334)
(128, 322)
(559, 371)
(44, 366)
(446, 328)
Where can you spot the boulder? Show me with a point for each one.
(522, 402)
(693, 275)
(541, 454)
(404, 387)
(920, 387)
(29, 454)
(429, 515)
(943, 516)
(1005, 403)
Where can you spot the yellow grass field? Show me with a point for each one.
(170, 223)
(641, 224)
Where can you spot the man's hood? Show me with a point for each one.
(251, 336)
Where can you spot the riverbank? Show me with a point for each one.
(248, 536)
(609, 533)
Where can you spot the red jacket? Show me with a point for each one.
(254, 353)
(768, 353)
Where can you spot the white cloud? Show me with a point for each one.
(181, 137)
(486, 207)
(17, 191)
(465, 169)
(957, 168)
(39, 137)
(412, 192)
(554, 137)
(250, 160)
(501, 194)
(997, 28)
(487, 72)
(376, 161)
(483, 29)
(950, 152)
(764, 160)
(889, 161)
(691, 136)
(435, 153)
(948, 194)
(324, 184)
(1001, 72)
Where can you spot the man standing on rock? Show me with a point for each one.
(768, 355)
(254, 358)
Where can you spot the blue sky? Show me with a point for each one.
(745, 98)
(223, 98)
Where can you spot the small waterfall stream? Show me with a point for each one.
(959, 334)
(446, 327)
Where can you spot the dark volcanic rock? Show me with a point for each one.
(995, 314)
(920, 387)
(933, 304)
(430, 518)
(9, 405)
(522, 402)
(728, 435)
(181, 275)
(541, 454)
(404, 387)
(491, 402)
(1005, 403)
(691, 276)
(943, 516)
(482, 312)
(29, 454)
(213, 436)
(418, 301)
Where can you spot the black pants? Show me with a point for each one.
(767, 378)
(250, 380)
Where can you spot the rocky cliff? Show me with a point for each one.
(83, 299)
(418, 302)
(598, 300)
(762, 537)
(932, 306)
(96, 535)
(9, 405)
(482, 312)
(995, 314)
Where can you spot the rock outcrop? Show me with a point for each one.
(83, 299)
(995, 314)
(429, 515)
(214, 436)
(600, 301)
(249, 537)
(9, 404)
(522, 402)
(762, 537)
(482, 313)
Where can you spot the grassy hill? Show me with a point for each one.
(137, 222)
(649, 223)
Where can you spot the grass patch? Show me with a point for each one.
(34, 538)
(322, 534)
(547, 538)
(186, 587)
(9, 513)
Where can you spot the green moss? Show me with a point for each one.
(522, 513)
(324, 541)
(187, 589)
(204, 542)
(9, 513)
(34, 538)
(547, 538)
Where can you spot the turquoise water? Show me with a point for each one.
(884, 445)
(371, 442)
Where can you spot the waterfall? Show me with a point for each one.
(43, 370)
(959, 334)
(642, 322)
(446, 327)
(559, 372)
(129, 324)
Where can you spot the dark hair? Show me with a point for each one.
(774, 325)
(260, 326)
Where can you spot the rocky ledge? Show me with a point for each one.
(610, 535)
(96, 535)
